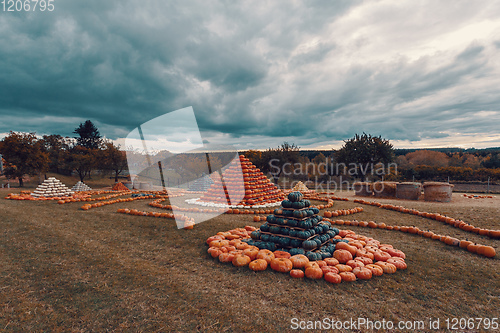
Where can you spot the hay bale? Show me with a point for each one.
(363, 189)
(436, 191)
(408, 190)
(384, 189)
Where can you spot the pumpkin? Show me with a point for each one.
(355, 263)
(212, 238)
(472, 248)
(282, 254)
(362, 273)
(282, 265)
(331, 261)
(214, 251)
(348, 276)
(345, 246)
(267, 255)
(398, 262)
(363, 253)
(241, 260)
(487, 251)
(365, 260)
(251, 252)
(314, 272)
(242, 246)
(386, 267)
(464, 243)
(219, 243)
(299, 261)
(258, 265)
(311, 264)
(381, 255)
(376, 269)
(342, 256)
(226, 257)
(333, 277)
(297, 273)
(327, 269)
(343, 268)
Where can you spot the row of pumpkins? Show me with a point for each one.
(355, 257)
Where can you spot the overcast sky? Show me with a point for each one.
(257, 73)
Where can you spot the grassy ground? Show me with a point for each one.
(67, 270)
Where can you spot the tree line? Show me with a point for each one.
(367, 157)
(25, 154)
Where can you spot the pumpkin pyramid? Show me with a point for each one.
(80, 187)
(301, 187)
(298, 229)
(258, 190)
(52, 187)
(201, 184)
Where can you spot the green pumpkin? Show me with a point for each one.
(295, 243)
(265, 237)
(292, 223)
(309, 244)
(303, 234)
(295, 196)
(296, 250)
(286, 204)
(255, 234)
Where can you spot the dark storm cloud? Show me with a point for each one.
(257, 72)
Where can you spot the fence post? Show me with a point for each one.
(488, 190)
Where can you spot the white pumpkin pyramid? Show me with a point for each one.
(52, 187)
(80, 187)
(301, 187)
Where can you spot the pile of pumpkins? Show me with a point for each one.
(354, 257)
(296, 228)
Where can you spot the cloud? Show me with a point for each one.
(257, 73)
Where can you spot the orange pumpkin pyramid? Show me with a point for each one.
(258, 190)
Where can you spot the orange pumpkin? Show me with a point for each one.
(214, 251)
(327, 269)
(241, 260)
(314, 272)
(355, 263)
(333, 277)
(381, 256)
(299, 260)
(348, 276)
(282, 265)
(398, 262)
(331, 261)
(282, 254)
(258, 265)
(267, 255)
(376, 269)
(297, 273)
(251, 252)
(386, 267)
(343, 268)
(342, 256)
(219, 243)
(226, 257)
(362, 273)
(487, 251)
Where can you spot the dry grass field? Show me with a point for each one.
(63, 269)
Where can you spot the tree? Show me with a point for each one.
(362, 152)
(88, 135)
(56, 146)
(81, 159)
(113, 159)
(428, 157)
(281, 159)
(24, 155)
